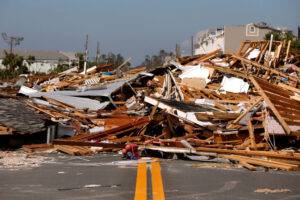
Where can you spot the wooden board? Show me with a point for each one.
(257, 83)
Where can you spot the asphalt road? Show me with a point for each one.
(108, 177)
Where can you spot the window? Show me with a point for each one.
(252, 29)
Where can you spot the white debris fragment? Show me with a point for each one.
(271, 191)
(18, 160)
(92, 186)
(235, 85)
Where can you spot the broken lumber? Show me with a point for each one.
(262, 162)
(271, 154)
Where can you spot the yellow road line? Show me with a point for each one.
(157, 184)
(141, 182)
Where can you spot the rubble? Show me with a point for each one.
(241, 108)
(21, 161)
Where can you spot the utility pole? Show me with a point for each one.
(270, 45)
(192, 45)
(11, 41)
(98, 53)
(85, 54)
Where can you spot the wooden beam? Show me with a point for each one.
(114, 131)
(205, 57)
(271, 106)
(251, 135)
(262, 162)
(228, 71)
(247, 110)
(247, 165)
(270, 154)
(287, 87)
(258, 65)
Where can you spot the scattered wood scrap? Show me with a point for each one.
(243, 107)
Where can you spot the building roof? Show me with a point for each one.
(71, 55)
(16, 114)
(39, 55)
(263, 25)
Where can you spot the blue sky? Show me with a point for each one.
(132, 27)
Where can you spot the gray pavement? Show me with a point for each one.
(108, 177)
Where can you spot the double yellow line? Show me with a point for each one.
(141, 182)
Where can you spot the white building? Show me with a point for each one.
(229, 38)
(210, 40)
(45, 61)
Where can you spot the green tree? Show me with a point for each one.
(156, 60)
(147, 61)
(60, 68)
(80, 58)
(119, 59)
(30, 59)
(14, 66)
(111, 58)
(12, 61)
(276, 35)
(103, 59)
(295, 42)
(114, 59)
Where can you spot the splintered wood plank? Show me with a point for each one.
(271, 106)
(277, 91)
(67, 149)
(227, 70)
(287, 87)
(37, 147)
(251, 135)
(205, 57)
(247, 165)
(289, 113)
(278, 100)
(271, 70)
(262, 49)
(263, 162)
(285, 104)
(246, 111)
(215, 116)
(268, 154)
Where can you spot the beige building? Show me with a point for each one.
(229, 38)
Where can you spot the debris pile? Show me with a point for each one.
(242, 107)
(18, 160)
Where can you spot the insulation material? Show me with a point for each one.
(97, 129)
(196, 72)
(253, 54)
(235, 85)
(220, 62)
